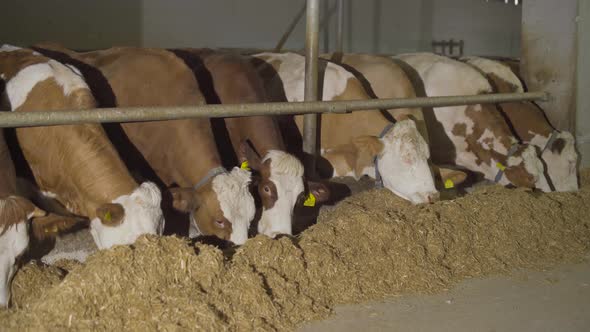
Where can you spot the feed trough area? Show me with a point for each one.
(370, 246)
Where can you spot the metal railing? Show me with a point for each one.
(135, 114)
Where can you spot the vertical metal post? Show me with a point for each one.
(339, 26)
(311, 82)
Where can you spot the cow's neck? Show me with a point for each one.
(262, 131)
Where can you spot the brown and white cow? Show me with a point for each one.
(181, 152)
(233, 80)
(382, 77)
(351, 142)
(15, 211)
(476, 137)
(77, 164)
(558, 148)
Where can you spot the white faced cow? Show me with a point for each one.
(558, 148)
(77, 164)
(359, 143)
(474, 136)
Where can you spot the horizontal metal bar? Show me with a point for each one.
(135, 114)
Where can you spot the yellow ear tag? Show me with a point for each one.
(107, 216)
(245, 165)
(310, 201)
(449, 184)
(500, 166)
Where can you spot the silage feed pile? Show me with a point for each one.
(372, 246)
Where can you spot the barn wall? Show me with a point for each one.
(583, 82)
(74, 23)
(379, 26)
(549, 56)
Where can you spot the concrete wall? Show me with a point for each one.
(583, 82)
(74, 23)
(384, 26)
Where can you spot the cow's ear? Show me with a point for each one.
(319, 190)
(450, 177)
(369, 144)
(53, 224)
(110, 214)
(184, 199)
(247, 154)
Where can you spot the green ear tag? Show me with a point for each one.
(310, 201)
(500, 166)
(107, 216)
(449, 184)
(245, 165)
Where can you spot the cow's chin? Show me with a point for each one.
(12, 244)
(143, 215)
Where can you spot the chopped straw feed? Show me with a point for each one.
(371, 246)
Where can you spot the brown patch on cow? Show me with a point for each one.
(111, 214)
(51, 225)
(76, 162)
(500, 85)
(487, 117)
(519, 176)
(460, 129)
(209, 216)
(15, 210)
(266, 188)
(13, 62)
(558, 146)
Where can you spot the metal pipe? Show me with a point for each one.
(310, 121)
(135, 114)
(339, 26)
(290, 29)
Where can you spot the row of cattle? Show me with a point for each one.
(86, 175)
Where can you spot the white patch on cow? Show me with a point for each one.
(143, 215)
(403, 164)
(533, 166)
(487, 136)
(48, 194)
(286, 172)
(562, 167)
(501, 70)
(9, 48)
(236, 201)
(538, 140)
(292, 74)
(19, 87)
(12, 244)
(63, 76)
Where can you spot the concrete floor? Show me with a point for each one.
(556, 300)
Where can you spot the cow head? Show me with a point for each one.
(280, 187)
(223, 208)
(525, 169)
(127, 217)
(14, 238)
(561, 159)
(402, 160)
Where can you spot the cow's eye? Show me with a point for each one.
(220, 223)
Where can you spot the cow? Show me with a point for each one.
(352, 143)
(181, 152)
(558, 148)
(15, 213)
(475, 137)
(384, 78)
(228, 78)
(76, 164)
